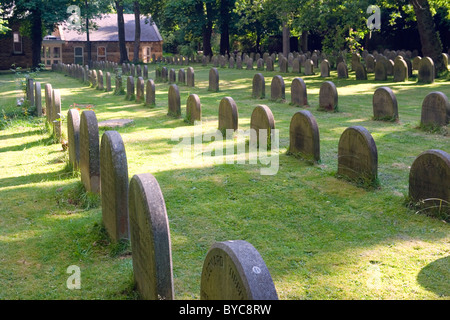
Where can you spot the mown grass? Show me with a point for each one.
(321, 237)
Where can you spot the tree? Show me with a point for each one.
(137, 32)
(121, 31)
(224, 18)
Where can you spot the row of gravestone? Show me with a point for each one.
(52, 109)
(136, 210)
(164, 74)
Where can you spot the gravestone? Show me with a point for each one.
(260, 64)
(190, 77)
(309, 67)
(234, 270)
(390, 67)
(73, 137)
(38, 98)
(56, 114)
(258, 86)
(193, 109)
(89, 151)
(228, 114)
(325, 68)
(435, 109)
(213, 80)
(172, 76)
(283, 65)
(48, 102)
(269, 64)
(231, 63)
(262, 119)
(360, 71)
(426, 70)
(130, 88)
(356, 58)
(94, 78)
(250, 64)
(118, 86)
(145, 72)
(304, 138)
(400, 70)
(108, 81)
(380, 71)
(328, 96)
(150, 239)
(100, 85)
(277, 89)
(174, 101)
(138, 71)
(140, 87)
(164, 74)
(30, 91)
(150, 93)
(416, 62)
(357, 155)
(114, 185)
(370, 63)
(239, 62)
(181, 77)
(298, 93)
(342, 70)
(296, 67)
(429, 179)
(384, 104)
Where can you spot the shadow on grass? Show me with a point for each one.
(435, 277)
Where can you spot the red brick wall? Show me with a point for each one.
(7, 56)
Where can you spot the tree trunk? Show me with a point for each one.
(304, 41)
(36, 36)
(88, 40)
(225, 7)
(121, 27)
(429, 39)
(207, 31)
(137, 33)
(286, 39)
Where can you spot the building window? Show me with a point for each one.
(101, 54)
(17, 43)
(78, 53)
(146, 54)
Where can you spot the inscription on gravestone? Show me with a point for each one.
(304, 136)
(435, 109)
(384, 104)
(234, 270)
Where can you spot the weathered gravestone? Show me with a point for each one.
(150, 93)
(181, 77)
(190, 77)
(38, 98)
(309, 67)
(89, 151)
(328, 96)
(150, 239)
(108, 81)
(93, 78)
(164, 74)
(384, 104)
(296, 66)
(228, 115)
(263, 124)
(298, 93)
(342, 70)
(130, 88)
(358, 156)
(193, 109)
(100, 85)
(277, 89)
(140, 89)
(30, 91)
(258, 86)
(429, 179)
(370, 63)
(231, 63)
(400, 70)
(172, 76)
(304, 136)
(73, 137)
(283, 65)
(426, 70)
(48, 101)
(249, 64)
(416, 62)
(360, 71)
(260, 64)
(213, 80)
(380, 71)
(114, 185)
(234, 270)
(145, 72)
(269, 64)
(435, 109)
(325, 68)
(174, 101)
(56, 114)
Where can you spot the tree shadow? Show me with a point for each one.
(435, 277)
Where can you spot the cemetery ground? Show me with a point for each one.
(321, 237)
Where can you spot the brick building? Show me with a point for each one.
(15, 49)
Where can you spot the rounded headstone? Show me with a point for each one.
(400, 70)
(73, 137)
(262, 119)
(190, 77)
(234, 270)
(277, 89)
(429, 178)
(360, 71)
(114, 185)
(426, 70)
(181, 77)
(328, 96)
(325, 68)
(370, 63)
(38, 98)
(304, 136)
(228, 114)
(342, 70)
(435, 109)
(213, 80)
(150, 97)
(416, 62)
(193, 108)
(130, 88)
(357, 155)
(174, 101)
(150, 239)
(380, 71)
(298, 93)
(384, 104)
(258, 86)
(89, 151)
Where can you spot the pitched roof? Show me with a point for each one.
(107, 30)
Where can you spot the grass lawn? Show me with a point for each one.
(320, 237)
